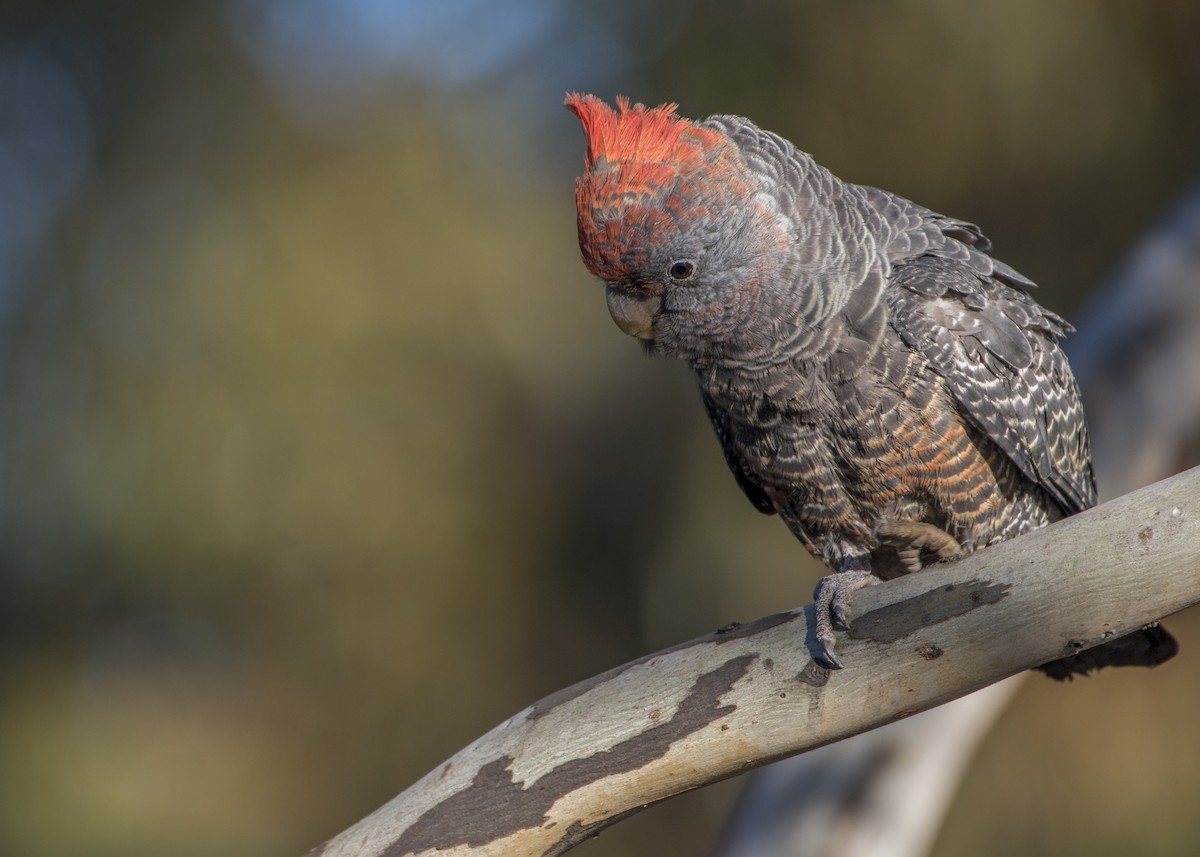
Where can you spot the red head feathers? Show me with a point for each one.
(639, 134)
(646, 169)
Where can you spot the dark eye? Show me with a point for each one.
(681, 270)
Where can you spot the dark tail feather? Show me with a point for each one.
(1147, 647)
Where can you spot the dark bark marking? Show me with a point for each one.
(577, 832)
(737, 630)
(494, 806)
(897, 621)
(814, 674)
(725, 634)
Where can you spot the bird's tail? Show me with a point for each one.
(1146, 647)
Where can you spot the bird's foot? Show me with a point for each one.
(916, 543)
(832, 596)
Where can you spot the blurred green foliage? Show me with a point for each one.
(319, 455)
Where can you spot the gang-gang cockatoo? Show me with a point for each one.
(874, 377)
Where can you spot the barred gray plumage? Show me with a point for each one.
(873, 375)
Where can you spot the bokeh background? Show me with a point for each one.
(320, 456)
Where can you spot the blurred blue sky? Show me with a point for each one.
(326, 62)
(323, 58)
(335, 48)
(46, 145)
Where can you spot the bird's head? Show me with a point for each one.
(678, 227)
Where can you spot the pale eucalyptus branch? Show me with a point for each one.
(584, 757)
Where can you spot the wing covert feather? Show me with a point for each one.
(998, 352)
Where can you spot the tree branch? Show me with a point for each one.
(584, 757)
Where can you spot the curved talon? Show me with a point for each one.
(833, 599)
(825, 655)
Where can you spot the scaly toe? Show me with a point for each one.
(833, 598)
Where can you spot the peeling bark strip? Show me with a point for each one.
(604, 754)
(727, 634)
(577, 832)
(897, 621)
(494, 806)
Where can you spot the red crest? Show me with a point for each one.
(640, 163)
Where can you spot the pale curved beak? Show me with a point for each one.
(633, 311)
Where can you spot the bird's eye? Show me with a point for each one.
(681, 270)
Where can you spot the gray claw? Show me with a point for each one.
(833, 597)
(825, 655)
(839, 609)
